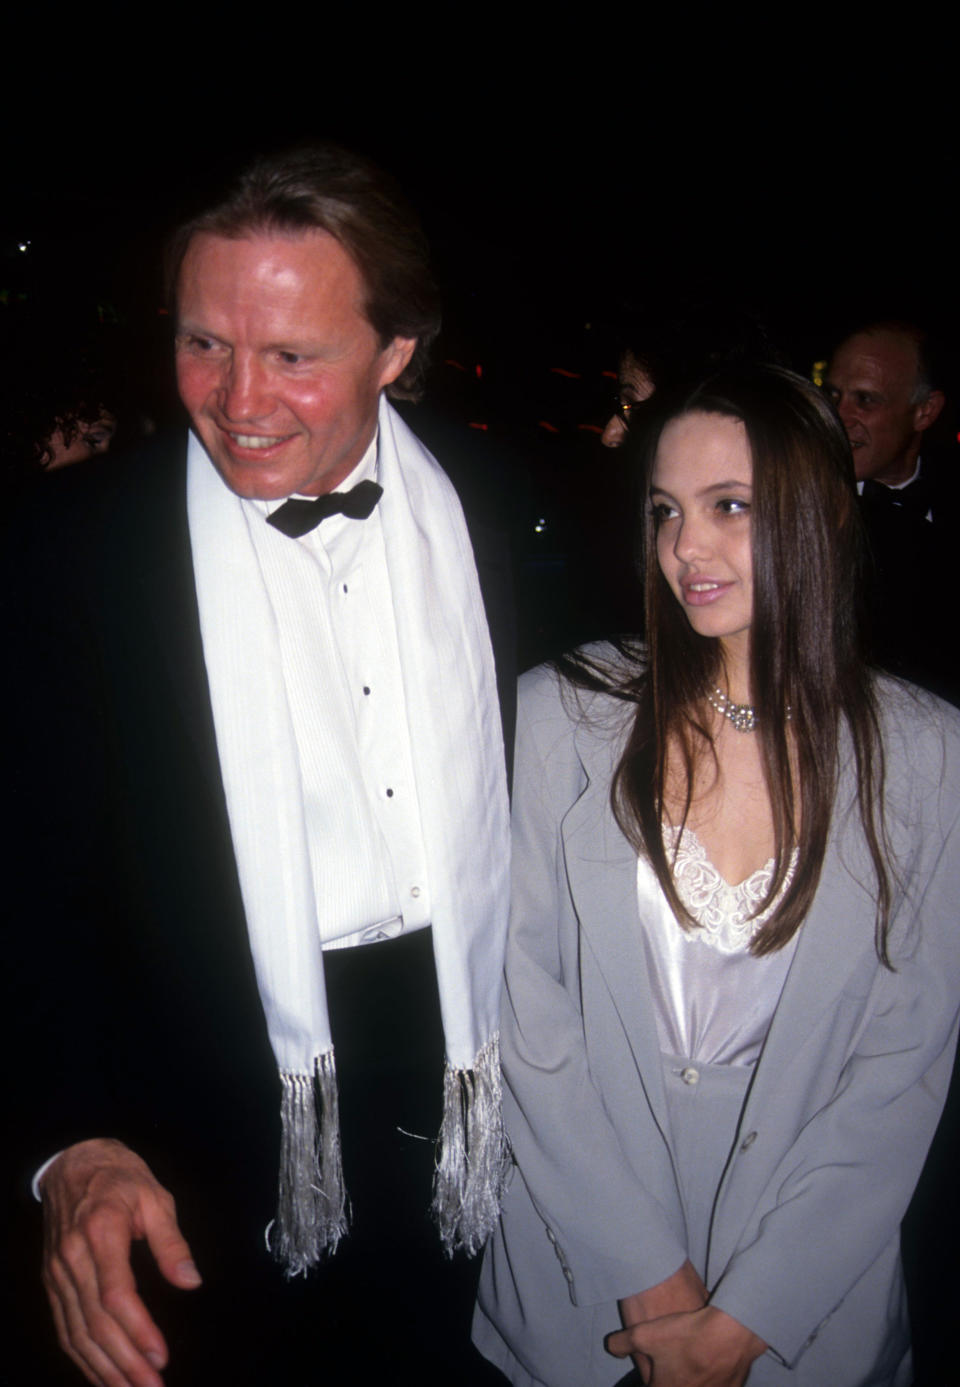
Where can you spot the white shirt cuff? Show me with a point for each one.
(35, 1182)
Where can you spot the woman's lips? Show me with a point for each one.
(700, 592)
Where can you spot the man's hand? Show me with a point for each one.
(684, 1290)
(97, 1197)
(700, 1348)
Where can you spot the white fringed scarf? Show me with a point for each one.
(451, 699)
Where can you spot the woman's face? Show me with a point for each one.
(633, 386)
(701, 492)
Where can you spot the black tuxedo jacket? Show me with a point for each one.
(135, 1006)
(910, 572)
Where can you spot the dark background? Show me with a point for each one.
(790, 162)
(566, 168)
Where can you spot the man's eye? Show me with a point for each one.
(201, 345)
(289, 358)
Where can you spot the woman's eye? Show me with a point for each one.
(662, 512)
(733, 505)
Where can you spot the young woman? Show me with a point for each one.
(733, 975)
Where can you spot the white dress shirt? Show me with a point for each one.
(330, 592)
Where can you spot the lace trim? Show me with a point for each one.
(723, 912)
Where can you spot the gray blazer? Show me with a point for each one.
(841, 1107)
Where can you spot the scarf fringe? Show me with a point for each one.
(472, 1157)
(312, 1202)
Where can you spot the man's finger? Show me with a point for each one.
(169, 1247)
(93, 1262)
(90, 1335)
(63, 1338)
(117, 1301)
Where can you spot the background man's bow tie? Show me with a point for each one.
(917, 497)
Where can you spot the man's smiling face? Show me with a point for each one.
(277, 364)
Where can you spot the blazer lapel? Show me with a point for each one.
(167, 747)
(602, 873)
(832, 940)
(831, 945)
(157, 614)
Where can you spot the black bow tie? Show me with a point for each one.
(298, 516)
(916, 497)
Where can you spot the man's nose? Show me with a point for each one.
(846, 410)
(243, 393)
(614, 432)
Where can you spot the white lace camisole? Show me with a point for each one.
(714, 1000)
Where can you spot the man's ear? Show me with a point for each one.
(396, 359)
(928, 411)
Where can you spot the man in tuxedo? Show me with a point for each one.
(262, 831)
(882, 380)
(885, 382)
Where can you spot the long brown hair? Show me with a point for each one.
(809, 682)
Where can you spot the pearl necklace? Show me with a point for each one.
(742, 715)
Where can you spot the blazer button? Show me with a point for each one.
(690, 1075)
(748, 1141)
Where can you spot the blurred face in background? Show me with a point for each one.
(634, 385)
(874, 383)
(86, 441)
